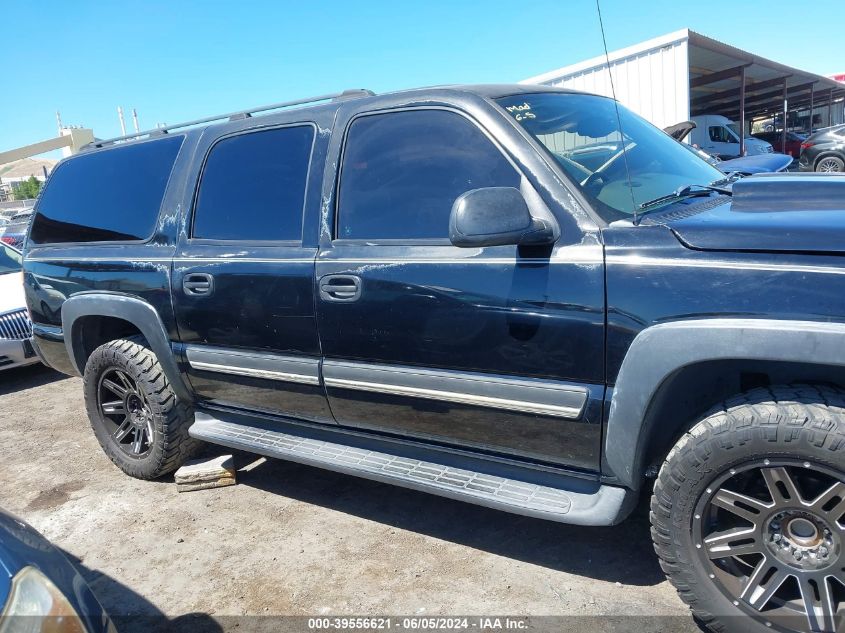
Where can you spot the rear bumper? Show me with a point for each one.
(16, 353)
(804, 163)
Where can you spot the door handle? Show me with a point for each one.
(198, 284)
(340, 288)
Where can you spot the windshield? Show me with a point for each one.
(10, 260)
(581, 132)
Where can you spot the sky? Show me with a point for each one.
(176, 60)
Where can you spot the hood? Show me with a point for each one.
(795, 213)
(681, 130)
(759, 164)
(11, 292)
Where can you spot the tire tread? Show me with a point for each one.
(784, 416)
(176, 416)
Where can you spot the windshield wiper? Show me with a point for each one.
(730, 179)
(687, 191)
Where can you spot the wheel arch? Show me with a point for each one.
(689, 366)
(119, 314)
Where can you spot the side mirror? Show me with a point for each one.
(496, 216)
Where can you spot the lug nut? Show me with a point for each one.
(823, 552)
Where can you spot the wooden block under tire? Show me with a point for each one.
(199, 474)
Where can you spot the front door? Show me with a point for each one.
(243, 278)
(723, 142)
(487, 348)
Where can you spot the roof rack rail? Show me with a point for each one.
(354, 93)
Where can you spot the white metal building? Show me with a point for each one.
(676, 76)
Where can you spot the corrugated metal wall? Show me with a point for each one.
(653, 83)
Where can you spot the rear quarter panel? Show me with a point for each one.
(55, 272)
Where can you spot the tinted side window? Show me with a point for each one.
(112, 194)
(253, 186)
(403, 170)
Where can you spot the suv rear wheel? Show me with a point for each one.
(829, 164)
(136, 417)
(748, 512)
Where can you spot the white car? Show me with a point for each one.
(15, 327)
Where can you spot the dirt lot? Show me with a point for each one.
(293, 540)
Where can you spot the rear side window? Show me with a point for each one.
(253, 186)
(108, 195)
(402, 171)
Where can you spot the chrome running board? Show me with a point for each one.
(602, 505)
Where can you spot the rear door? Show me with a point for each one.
(497, 348)
(243, 276)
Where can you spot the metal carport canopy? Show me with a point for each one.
(716, 71)
(675, 76)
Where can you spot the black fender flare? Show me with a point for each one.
(660, 350)
(137, 312)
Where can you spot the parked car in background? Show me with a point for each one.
(793, 142)
(14, 232)
(15, 327)
(39, 588)
(22, 216)
(743, 166)
(717, 135)
(824, 151)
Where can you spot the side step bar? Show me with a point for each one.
(601, 505)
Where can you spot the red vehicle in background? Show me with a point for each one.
(793, 142)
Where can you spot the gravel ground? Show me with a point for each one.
(294, 540)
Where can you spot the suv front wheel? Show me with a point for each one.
(135, 415)
(748, 512)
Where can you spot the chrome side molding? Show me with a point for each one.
(296, 369)
(527, 395)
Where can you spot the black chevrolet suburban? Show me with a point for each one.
(517, 296)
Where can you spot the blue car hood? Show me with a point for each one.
(796, 213)
(759, 164)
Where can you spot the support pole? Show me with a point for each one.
(742, 111)
(830, 107)
(812, 94)
(783, 121)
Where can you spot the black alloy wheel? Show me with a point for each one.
(125, 408)
(136, 416)
(771, 535)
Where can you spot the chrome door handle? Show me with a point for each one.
(198, 284)
(340, 288)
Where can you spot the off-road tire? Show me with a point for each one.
(171, 418)
(800, 422)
